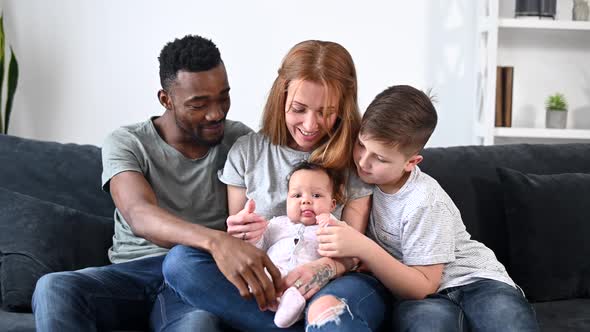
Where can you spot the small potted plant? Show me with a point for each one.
(556, 106)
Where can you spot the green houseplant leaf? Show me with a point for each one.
(556, 102)
(11, 85)
(1, 68)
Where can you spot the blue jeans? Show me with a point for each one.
(193, 274)
(121, 296)
(485, 305)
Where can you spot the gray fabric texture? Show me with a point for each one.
(64, 174)
(262, 168)
(188, 188)
(45, 237)
(559, 316)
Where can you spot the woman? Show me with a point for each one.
(311, 114)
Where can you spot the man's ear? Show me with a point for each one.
(333, 205)
(412, 162)
(165, 99)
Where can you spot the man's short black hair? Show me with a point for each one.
(191, 53)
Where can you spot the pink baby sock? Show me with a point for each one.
(290, 308)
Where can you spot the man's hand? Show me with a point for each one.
(244, 266)
(337, 239)
(247, 225)
(311, 277)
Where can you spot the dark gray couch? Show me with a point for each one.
(54, 216)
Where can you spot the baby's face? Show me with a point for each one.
(310, 194)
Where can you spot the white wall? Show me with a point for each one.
(87, 67)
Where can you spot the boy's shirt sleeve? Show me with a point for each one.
(428, 235)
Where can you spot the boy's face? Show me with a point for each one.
(383, 165)
(310, 194)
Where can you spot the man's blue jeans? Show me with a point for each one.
(485, 305)
(193, 274)
(121, 296)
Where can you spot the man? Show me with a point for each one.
(162, 176)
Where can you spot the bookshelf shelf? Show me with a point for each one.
(521, 62)
(514, 23)
(542, 133)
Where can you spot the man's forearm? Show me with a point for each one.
(167, 230)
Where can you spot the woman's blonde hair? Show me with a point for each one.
(329, 65)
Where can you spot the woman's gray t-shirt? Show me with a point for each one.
(262, 168)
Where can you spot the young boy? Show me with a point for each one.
(416, 242)
(291, 240)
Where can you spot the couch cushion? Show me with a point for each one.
(468, 174)
(38, 237)
(16, 322)
(65, 174)
(559, 316)
(548, 219)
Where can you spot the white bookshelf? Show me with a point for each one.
(548, 56)
(515, 23)
(565, 134)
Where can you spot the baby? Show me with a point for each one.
(291, 240)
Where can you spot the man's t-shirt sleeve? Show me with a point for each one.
(428, 235)
(237, 130)
(120, 152)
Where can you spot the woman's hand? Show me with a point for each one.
(311, 277)
(338, 239)
(247, 225)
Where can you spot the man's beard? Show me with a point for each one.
(198, 137)
(209, 143)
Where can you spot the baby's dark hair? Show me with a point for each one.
(191, 53)
(336, 178)
(400, 116)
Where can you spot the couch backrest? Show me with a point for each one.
(468, 174)
(65, 174)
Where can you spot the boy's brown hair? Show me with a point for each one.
(400, 116)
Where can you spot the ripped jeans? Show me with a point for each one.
(194, 276)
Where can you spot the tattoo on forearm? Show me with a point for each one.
(321, 277)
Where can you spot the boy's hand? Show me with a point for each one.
(337, 239)
(324, 218)
(247, 225)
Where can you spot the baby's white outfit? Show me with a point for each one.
(289, 245)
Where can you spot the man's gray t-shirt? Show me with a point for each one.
(262, 168)
(185, 187)
(420, 225)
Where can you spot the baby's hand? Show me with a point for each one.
(326, 219)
